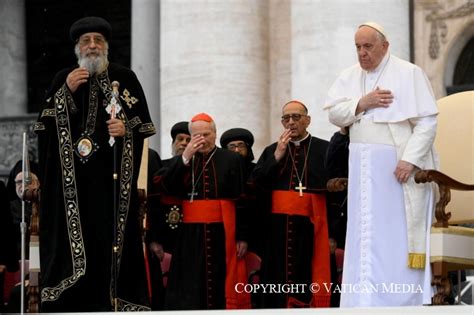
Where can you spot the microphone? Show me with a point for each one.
(25, 167)
(27, 174)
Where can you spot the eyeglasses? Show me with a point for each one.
(295, 117)
(86, 41)
(240, 145)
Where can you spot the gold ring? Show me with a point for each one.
(194, 145)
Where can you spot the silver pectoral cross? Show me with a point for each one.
(300, 187)
(192, 194)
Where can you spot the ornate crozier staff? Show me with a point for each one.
(113, 109)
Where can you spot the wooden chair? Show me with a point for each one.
(452, 246)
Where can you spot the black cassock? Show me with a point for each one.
(337, 163)
(198, 266)
(165, 217)
(164, 220)
(289, 239)
(76, 209)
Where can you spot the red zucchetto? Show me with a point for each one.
(202, 117)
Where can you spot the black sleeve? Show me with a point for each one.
(8, 237)
(171, 178)
(154, 165)
(154, 213)
(133, 100)
(243, 206)
(336, 162)
(265, 172)
(337, 155)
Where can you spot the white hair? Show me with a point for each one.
(212, 123)
(93, 65)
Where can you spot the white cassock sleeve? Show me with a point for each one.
(421, 141)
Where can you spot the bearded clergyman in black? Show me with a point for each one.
(92, 112)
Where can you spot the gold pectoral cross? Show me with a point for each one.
(300, 187)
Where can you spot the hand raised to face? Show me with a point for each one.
(75, 78)
(196, 143)
(282, 144)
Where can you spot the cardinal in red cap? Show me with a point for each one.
(203, 135)
(208, 259)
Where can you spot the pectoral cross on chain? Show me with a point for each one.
(300, 187)
(192, 194)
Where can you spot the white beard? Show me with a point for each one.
(94, 64)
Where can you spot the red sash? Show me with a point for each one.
(313, 206)
(210, 211)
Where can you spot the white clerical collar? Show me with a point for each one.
(298, 142)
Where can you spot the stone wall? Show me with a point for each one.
(441, 30)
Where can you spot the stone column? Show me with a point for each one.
(215, 59)
(280, 64)
(146, 57)
(13, 85)
(323, 45)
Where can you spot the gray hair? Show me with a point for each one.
(93, 66)
(213, 126)
(381, 37)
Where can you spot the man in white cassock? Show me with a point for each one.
(389, 106)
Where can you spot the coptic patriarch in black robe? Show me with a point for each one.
(81, 268)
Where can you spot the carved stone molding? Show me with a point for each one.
(439, 28)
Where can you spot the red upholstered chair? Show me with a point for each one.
(253, 263)
(11, 279)
(339, 262)
(165, 267)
